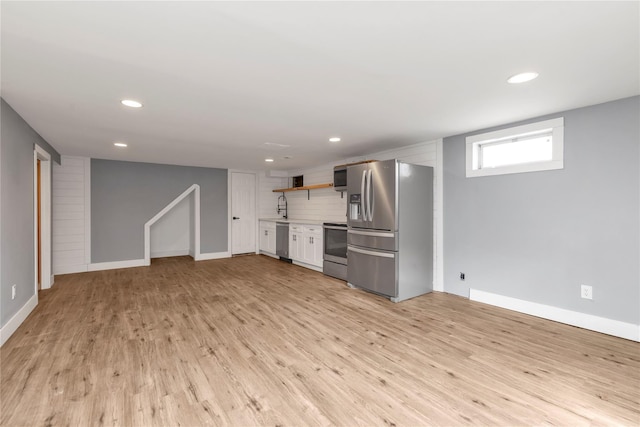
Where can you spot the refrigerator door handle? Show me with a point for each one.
(363, 203)
(372, 233)
(370, 194)
(372, 253)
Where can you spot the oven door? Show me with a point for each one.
(335, 244)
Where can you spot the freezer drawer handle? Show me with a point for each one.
(372, 253)
(371, 233)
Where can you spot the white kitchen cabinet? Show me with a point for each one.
(313, 248)
(305, 243)
(268, 237)
(296, 242)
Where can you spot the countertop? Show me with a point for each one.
(296, 221)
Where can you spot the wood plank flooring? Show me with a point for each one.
(251, 341)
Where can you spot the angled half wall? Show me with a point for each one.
(193, 226)
(125, 196)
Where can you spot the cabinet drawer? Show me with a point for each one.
(297, 228)
(313, 229)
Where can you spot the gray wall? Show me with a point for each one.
(17, 265)
(537, 236)
(125, 195)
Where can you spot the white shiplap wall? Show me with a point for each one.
(327, 204)
(322, 204)
(71, 248)
(267, 199)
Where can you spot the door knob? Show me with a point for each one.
(236, 217)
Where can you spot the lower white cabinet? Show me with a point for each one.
(296, 241)
(305, 244)
(267, 231)
(313, 249)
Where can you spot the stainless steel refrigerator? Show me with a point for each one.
(390, 228)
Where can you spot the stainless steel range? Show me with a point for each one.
(335, 250)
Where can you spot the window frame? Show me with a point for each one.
(475, 142)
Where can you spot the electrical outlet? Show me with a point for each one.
(13, 291)
(586, 291)
(461, 276)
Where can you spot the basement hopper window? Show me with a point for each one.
(527, 148)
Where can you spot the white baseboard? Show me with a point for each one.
(574, 318)
(213, 255)
(115, 264)
(70, 269)
(164, 254)
(10, 327)
(141, 262)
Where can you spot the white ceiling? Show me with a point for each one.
(220, 79)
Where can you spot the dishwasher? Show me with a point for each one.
(282, 240)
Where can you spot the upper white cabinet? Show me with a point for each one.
(267, 231)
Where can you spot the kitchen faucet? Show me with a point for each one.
(282, 205)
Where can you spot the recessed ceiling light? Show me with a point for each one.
(334, 139)
(119, 144)
(523, 77)
(131, 103)
(268, 160)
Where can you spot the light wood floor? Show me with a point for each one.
(254, 341)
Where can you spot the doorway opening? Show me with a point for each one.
(42, 218)
(39, 221)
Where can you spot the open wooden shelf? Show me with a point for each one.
(306, 187)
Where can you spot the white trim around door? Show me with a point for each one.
(438, 284)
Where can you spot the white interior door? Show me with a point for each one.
(243, 213)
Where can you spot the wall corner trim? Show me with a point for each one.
(12, 325)
(116, 264)
(574, 318)
(438, 280)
